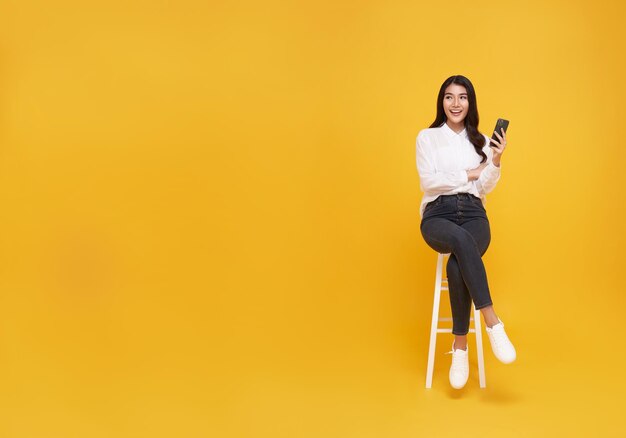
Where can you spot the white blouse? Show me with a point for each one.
(443, 156)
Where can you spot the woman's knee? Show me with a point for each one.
(485, 245)
(484, 241)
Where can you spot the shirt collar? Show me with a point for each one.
(450, 133)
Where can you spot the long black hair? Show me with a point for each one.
(471, 119)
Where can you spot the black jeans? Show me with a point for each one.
(458, 224)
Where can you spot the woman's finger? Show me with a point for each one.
(497, 146)
(495, 142)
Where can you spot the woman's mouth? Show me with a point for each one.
(455, 113)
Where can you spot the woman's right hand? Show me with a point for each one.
(473, 174)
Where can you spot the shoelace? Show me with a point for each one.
(457, 359)
(499, 336)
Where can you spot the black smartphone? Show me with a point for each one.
(501, 123)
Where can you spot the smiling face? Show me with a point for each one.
(455, 103)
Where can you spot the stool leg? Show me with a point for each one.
(434, 323)
(479, 348)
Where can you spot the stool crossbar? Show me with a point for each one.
(441, 283)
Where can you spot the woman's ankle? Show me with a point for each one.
(460, 343)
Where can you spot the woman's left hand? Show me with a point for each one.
(498, 147)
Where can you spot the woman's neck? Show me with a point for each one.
(456, 127)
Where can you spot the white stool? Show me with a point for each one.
(442, 284)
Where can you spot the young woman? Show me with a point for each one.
(458, 166)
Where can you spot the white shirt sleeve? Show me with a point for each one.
(431, 181)
(490, 175)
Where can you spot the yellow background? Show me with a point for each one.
(209, 219)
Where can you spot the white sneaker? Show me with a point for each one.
(459, 370)
(500, 343)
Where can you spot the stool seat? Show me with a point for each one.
(441, 283)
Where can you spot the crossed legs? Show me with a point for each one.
(467, 278)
